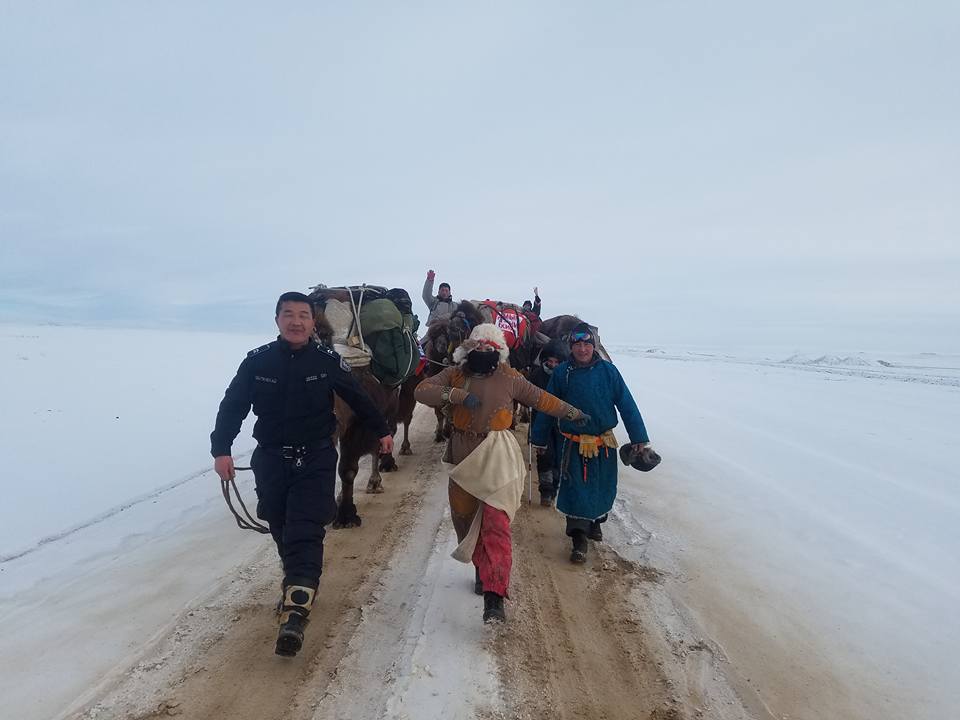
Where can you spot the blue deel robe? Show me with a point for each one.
(588, 487)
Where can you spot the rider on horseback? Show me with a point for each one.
(440, 305)
(532, 311)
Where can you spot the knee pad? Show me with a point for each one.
(297, 599)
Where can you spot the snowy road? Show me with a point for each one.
(159, 620)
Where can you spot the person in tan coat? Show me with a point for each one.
(486, 483)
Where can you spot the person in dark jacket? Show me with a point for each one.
(532, 312)
(588, 456)
(548, 469)
(290, 384)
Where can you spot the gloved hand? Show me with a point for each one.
(471, 402)
(650, 456)
(640, 456)
(582, 420)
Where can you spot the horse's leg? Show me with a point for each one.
(347, 516)
(348, 467)
(438, 435)
(386, 463)
(405, 448)
(375, 483)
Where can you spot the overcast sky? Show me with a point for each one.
(675, 172)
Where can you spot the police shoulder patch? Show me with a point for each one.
(334, 355)
(257, 351)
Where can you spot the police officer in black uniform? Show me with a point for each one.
(290, 384)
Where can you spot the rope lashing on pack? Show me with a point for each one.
(355, 306)
(435, 362)
(245, 521)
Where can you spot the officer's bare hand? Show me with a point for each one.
(431, 274)
(224, 467)
(386, 445)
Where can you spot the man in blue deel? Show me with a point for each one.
(588, 455)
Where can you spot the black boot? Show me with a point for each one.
(290, 637)
(596, 532)
(579, 552)
(294, 616)
(477, 583)
(493, 608)
(546, 499)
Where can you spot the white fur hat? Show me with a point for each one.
(485, 336)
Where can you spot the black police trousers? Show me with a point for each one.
(296, 498)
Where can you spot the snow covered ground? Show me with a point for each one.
(96, 419)
(806, 513)
(105, 452)
(810, 506)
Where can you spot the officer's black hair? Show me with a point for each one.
(294, 296)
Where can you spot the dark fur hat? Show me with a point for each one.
(645, 460)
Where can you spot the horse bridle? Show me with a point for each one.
(460, 334)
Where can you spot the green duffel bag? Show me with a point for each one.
(395, 355)
(379, 315)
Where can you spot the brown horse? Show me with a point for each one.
(407, 405)
(354, 438)
(443, 337)
(527, 342)
(357, 440)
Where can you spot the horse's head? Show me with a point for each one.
(462, 322)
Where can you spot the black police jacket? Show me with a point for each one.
(291, 392)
